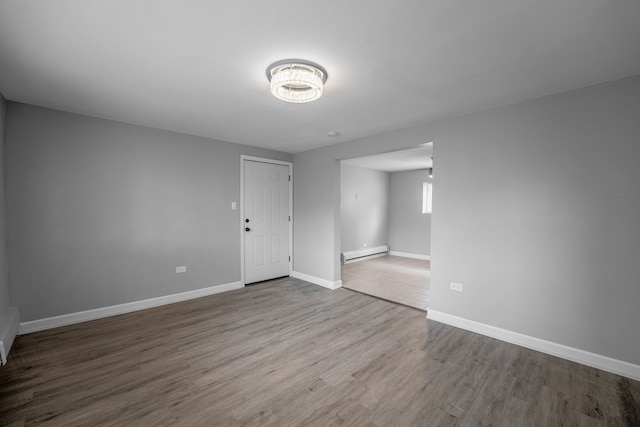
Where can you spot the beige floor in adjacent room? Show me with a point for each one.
(398, 279)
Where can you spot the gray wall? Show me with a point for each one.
(409, 228)
(4, 273)
(546, 241)
(364, 195)
(316, 211)
(101, 212)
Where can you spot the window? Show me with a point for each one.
(427, 196)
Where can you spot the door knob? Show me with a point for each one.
(247, 229)
(246, 220)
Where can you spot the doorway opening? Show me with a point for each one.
(382, 203)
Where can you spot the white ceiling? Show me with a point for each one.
(198, 67)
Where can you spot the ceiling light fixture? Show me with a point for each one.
(296, 80)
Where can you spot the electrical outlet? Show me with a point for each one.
(181, 269)
(456, 286)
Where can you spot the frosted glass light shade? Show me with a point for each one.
(296, 82)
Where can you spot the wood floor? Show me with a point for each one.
(288, 353)
(398, 279)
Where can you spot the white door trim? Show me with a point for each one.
(242, 225)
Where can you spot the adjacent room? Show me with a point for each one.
(181, 184)
(385, 208)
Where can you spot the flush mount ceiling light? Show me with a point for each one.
(297, 81)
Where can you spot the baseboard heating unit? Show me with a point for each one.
(366, 253)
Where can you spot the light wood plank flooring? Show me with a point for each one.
(288, 353)
(398, 279)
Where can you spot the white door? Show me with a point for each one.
(266, 221)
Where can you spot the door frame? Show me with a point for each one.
(243, 158)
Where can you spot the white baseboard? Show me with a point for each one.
(9, 324)
(594, 360)
(408, 255)
(317, 281)
(98, 313)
